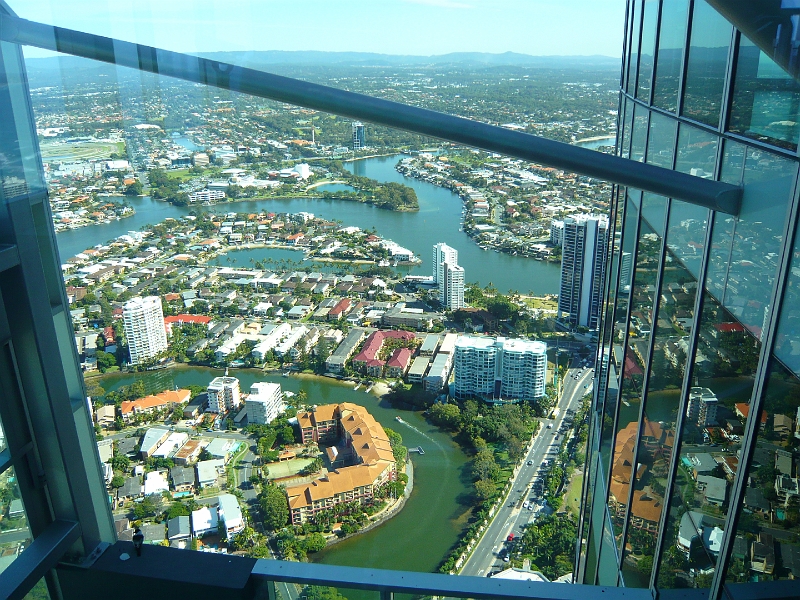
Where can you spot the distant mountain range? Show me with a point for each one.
(263, 59)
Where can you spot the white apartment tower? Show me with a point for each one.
(264, 403)
(448, 276)
(143, 320)
(451, 294)
(583, 270)
(499, 369)
(702, 407)
(224, 394)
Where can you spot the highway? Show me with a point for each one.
(511, 517)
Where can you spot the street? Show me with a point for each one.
(511, 516)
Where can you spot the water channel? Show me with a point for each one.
(438, 220)
(416, 539)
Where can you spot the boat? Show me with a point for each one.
(398, 419)
(369, 389)
(286, 374)
(358, 385)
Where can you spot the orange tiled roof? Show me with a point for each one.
(162, 399)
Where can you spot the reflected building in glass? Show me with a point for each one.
(692, 467)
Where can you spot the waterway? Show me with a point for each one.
(417, 538)
(438, 220)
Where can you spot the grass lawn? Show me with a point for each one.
(573, 496)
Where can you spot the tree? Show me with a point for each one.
(117, 481)
(150, 506)
(178, 509)
(244, 539)
(314, 542)
(120, 462)
(274, 507)
(134, 189)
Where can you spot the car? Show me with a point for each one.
(530, 462)
(506, 559)
(525, 504)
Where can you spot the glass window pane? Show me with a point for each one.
(647, 50)
(608, 571)
(697, 151)
(675, 318)
(640, 116)
(766, 543)
(758, 236)
(723, 378)
(639, 326)
(20, 169)
(671, 39)
(705, 72)
(661, 144)
(616, 358)
(766, 100)
(15, 534)
(633, 52)
(627, 128)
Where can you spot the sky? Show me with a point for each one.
(420, 27)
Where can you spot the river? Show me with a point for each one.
(419, 537)
(438, 220)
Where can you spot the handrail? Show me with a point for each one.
(436, 584)
(715, 195)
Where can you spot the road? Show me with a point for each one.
(511, 517)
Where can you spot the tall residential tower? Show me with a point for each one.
(143, 320)
(448, 276)
(583, 266)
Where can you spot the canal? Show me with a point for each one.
(438, 220)
(419, 537)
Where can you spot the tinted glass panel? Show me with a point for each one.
(671, 40)
(648, 253)
(766, 543)
(627, 128)
(640, 118)
(713, 421)
(757, 237)
(616, 356)
(647, 50)
(633, 53)
(661, 144)
(705, 73)
(766, 100)
(674, 321)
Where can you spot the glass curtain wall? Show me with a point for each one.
(698, 396)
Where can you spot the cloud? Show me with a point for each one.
(441, 3)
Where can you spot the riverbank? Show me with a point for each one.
(385, 513)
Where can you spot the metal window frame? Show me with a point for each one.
(657, 180)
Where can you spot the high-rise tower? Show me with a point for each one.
(143, 320)
(359, 138)
(583, 267)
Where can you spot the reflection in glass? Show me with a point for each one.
(615, 358)
(766, 100)
(15, 522)
(686, 234)
(647, 49)
(705, 72)
(633, 53)
(640, 118)
(661, 145)
(766, 544)
(625, 150)
(716, 410)
(750, 269)
(639, 326)
(671, 39)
